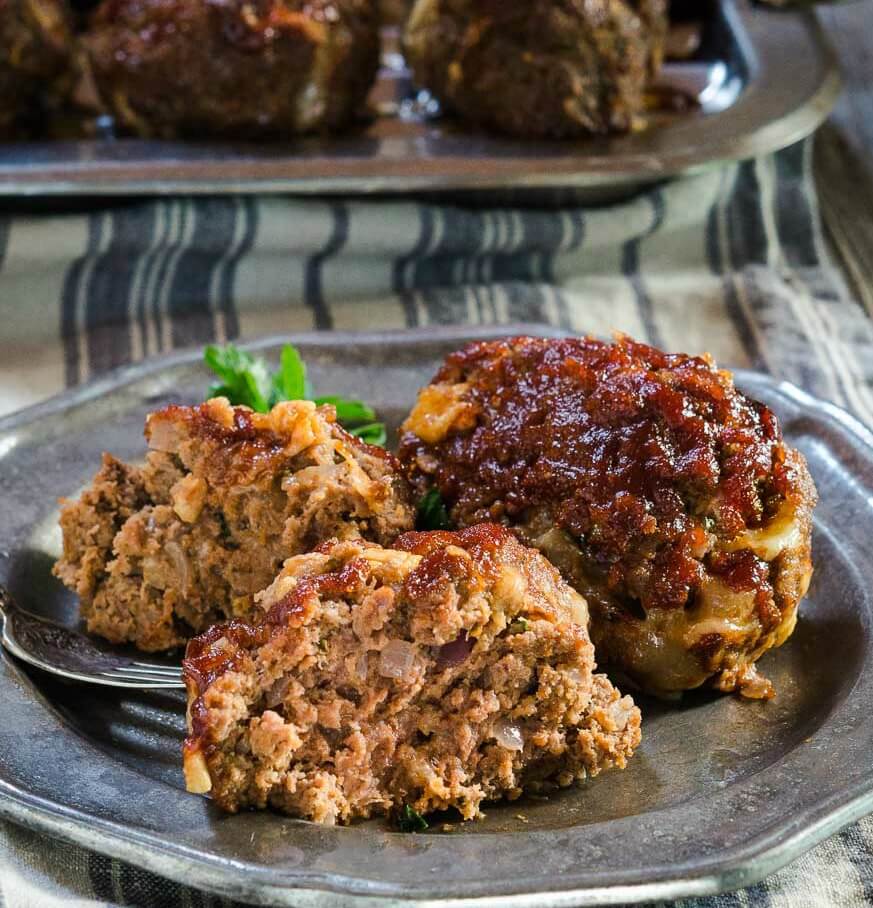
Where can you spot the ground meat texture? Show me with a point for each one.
(448, 670)
(240, 69)
(36, 62)
(538, 69)
(664, 495)
(161, 552)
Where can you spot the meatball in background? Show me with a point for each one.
(537, 69)
(36, 62)
(242, 69)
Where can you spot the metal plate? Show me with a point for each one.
(764, 79)
(721, 792)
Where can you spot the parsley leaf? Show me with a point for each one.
(246, 380)
(410, 820)
(432, 513)
(372, 433)
(290, 382)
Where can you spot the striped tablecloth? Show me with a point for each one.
(730, 261)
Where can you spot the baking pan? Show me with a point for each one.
(720, 793)
(762, 80)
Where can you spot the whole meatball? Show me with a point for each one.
(666, 497)
(538, 69)
(35, 58)
(234, 68)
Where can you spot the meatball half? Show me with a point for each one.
(538, 69)
(36, 61)
(234, 68)
(665, 496)
(160, 552)
(447, 670)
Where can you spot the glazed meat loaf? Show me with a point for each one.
(241, 69)
(538, 68)
(450, 669)
(664, 495)
(36, 62)
(160, 552)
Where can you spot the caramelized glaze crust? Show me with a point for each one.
(449, 669)
(236, 68)
(533, 68)
(666, 496)
(36, 62)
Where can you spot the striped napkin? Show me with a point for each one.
(732, 261)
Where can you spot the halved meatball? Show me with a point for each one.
(665, 496)
(450, 669)
(538, 69)
(241, 69)
(36, 61)
(161, 552)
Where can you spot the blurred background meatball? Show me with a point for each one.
(35, 62)
(233, 68)
(538, 69)
(666, 497)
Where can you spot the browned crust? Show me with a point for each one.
(239, 69)
(36, 62)
(538, 69)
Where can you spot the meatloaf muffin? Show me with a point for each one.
(666, 497)
(162, 552)
(36, 62)
(444, 671)
(538, 68)
(242, 69)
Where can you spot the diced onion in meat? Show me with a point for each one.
(456, 652)
(164, 435)
(396, 660)
(180, 564)
(508, 735)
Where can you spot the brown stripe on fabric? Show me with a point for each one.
(70, 296)
(176, 214)
(100, 876)
(313, 290)
(400, 282)
(793, 217)
(149, 328)
(212, 237)
(744, 220)
(226, 299)
(795, 224)
(718, 255)
(858, 852)
(109, 307)
(630, 268)
(5, 228)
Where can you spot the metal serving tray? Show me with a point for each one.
(721, 793)
(763, 79)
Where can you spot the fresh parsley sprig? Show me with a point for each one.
(246, 380)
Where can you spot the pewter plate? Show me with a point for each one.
(763, 79)
(720, 794)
